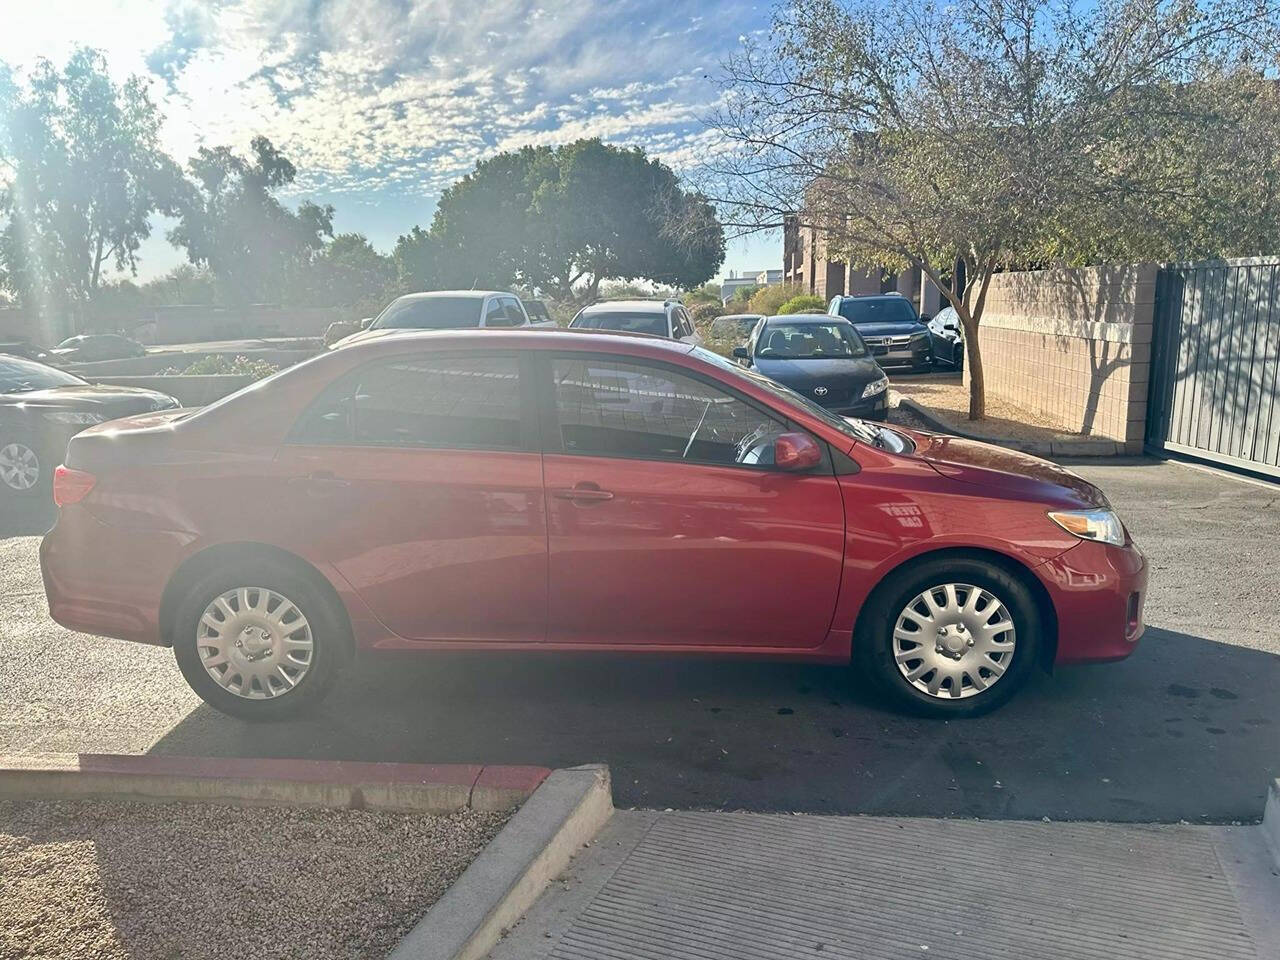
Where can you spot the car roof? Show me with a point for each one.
(740, 316)
(456, 294)
(891, 295)
(631, 306)
(804, 318)
(506, 338)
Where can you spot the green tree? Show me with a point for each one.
(1009, 134)
(81, 173)
(768, 300)
(232, 223)
(347, 272)
(182, 286)
(564, 221)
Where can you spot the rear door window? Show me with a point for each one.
(454, 402)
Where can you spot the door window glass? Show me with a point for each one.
(622, 409)
(422, 401)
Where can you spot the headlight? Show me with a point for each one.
(920, 336)
(1100, 525)
(875, 387)
(71, 416)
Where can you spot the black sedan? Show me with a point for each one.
(821, 357)
(91, 347)
(41, 408)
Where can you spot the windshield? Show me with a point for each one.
(19, 376)
(853, 428)
(810, 341)
(430, 313)
(631, 322)
(887, 310)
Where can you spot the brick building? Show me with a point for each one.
(805, 262)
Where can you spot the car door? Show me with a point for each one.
(656, 535)
(418, 477)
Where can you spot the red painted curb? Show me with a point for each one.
(283, 768)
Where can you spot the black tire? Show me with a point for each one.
(330, 634)
(873, 644)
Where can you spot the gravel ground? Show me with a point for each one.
(167, 881)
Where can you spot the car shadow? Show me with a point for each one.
(26, 517)
(1186, 729)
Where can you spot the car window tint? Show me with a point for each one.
(515, 317)
(652, 322)
(422, 401)
(621, 409)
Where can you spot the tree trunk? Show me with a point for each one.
(977, 383)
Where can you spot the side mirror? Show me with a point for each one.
(795, 452)
(364, 324)
(925, 318)
(953, 327)
(741, 353)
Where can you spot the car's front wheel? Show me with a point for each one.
(950, 637)
(23, 472)
(258, 642)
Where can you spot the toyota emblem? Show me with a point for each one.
(819, 391)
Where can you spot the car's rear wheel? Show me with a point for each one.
(950, 637)
(258, 642)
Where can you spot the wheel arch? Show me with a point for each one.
(1011, 565)
(203, 562)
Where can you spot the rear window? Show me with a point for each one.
(653, 323)
(432, 313)
(891, 310)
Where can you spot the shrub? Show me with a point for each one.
(767, 300)
(805, 303)
(221, 364)
(706, 312)
(744, 294)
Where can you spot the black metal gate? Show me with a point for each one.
(1215, 363)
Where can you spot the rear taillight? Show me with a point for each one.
(71, 486)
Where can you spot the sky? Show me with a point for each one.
(383, 103)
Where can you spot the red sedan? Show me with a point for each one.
(567, 491)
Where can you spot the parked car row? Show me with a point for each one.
(83, 348)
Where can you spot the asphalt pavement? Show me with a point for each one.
(1188, 728)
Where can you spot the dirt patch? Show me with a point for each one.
(193, 881)
(949, 401)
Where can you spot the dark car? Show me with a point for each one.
(26, 350)
(91, 347)
(41, 408)
(510, 491)
(822, 358)
(890, 326)
(947, 338)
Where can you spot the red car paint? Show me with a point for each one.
(449, 549)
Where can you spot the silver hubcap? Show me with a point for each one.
(954, 640)
(19, 466)
(255, 643)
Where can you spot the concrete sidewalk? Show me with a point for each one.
(738, 886)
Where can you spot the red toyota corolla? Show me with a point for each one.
(565, 491)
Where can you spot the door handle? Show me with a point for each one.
(583, 493)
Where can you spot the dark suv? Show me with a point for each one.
(890, 326)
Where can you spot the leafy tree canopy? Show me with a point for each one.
(232, 223)
(1009, 133)
(563, 221)
(81, 173)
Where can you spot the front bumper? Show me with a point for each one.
(893, 351)
(1099, 592)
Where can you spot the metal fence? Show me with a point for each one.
(1215, 363)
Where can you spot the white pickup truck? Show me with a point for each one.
(448, 310)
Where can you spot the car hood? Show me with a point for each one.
(891, 328)
(364, 335)
(985, 464)
(95, 397)
(850, 371)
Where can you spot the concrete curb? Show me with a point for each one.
(510, 874)
(1271, 820)
(1054, 448)
(407, 787)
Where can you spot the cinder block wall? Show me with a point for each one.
(1074, 346)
